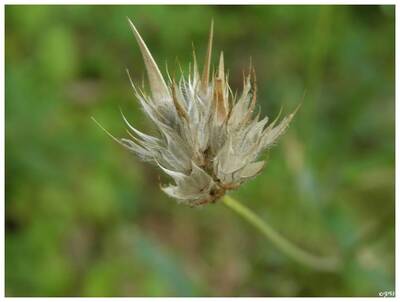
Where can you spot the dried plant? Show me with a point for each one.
(210, 139)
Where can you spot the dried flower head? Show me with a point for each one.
(209, 139)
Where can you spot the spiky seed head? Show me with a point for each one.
(209, 140)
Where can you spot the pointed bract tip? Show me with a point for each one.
(221, 66)
(107, 132)
(207, 62)
(297, 109)
(158, 87)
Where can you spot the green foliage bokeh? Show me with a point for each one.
(86, 218)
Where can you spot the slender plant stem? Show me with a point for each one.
(301, 256)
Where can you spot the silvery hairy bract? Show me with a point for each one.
(209, 138)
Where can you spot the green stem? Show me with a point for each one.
(301, 256)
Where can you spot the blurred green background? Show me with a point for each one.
(84, 217)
